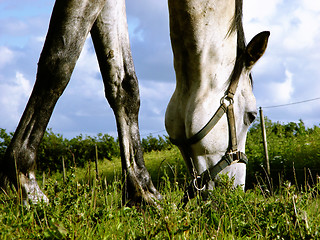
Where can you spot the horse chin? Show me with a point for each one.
(236, 172)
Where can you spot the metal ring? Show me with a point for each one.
(225, 97)
(196, 186)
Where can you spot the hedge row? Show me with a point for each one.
(294, 151)
(79, 150)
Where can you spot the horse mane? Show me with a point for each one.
(237, 26)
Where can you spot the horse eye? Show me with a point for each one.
(250, 117)
(251, 79)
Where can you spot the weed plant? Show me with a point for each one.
(93, 210)
(83, 207)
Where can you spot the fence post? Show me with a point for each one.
(43, 179)
(97, 172)
(264, 137)
(64, 170)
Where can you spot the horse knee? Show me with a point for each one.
(123, 92)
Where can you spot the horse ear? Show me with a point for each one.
(256, 48)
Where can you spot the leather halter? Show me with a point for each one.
(232, 155)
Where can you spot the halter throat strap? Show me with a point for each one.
(224, 108)
(199, 183)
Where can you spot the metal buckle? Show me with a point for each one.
(225, 97)
(195, 184)
(235, 157)
(232, 157)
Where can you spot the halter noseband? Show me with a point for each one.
(232, 155)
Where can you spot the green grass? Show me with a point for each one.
(82, 208)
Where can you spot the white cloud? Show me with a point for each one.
(87, 62)
(135, 32)
(23, 84)
(263, 11)
(282, 92)
(290, 68)
(293, 25)
(303, 30)
(276, 91)
(311, 5)
(15, 27)
(6, 56)
(86, 79)
(13, 98)
(40, 39)
(154, 99)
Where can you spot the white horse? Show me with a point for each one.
(212, 65)
(210, 54)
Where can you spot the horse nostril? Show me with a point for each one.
(250, 117)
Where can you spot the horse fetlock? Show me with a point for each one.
(30, 189)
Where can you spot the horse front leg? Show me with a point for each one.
(111, 42)
(69, 26)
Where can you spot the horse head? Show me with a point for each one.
(213, 104)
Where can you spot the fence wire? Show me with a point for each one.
(272, 106)
(294, 103)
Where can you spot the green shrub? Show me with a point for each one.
(293, 152)
(5, 139)
(76, 151)
(156, 143)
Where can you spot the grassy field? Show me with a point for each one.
(83, 208)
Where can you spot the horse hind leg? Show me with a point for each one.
(69, 26)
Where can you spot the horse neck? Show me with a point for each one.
(203, 44)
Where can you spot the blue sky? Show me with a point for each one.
(289, 71)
